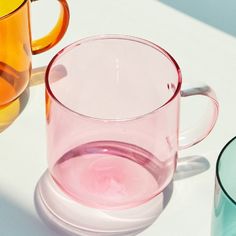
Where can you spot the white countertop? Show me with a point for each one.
(203, 53)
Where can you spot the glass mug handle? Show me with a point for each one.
(48, 41)
(192, 136)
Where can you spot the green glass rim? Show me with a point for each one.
(217, 170)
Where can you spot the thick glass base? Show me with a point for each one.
(71, 218)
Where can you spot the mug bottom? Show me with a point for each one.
(71, 218)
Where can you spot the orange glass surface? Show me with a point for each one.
(15, 53)
(9, 113)
(8, 6)
(17, 46)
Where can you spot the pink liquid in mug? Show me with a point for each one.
(108, 174)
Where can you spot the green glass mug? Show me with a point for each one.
(224, 212)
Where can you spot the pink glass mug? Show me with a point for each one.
(113, 120)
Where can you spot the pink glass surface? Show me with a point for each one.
(112, 120)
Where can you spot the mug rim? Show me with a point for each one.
(119, 37)
(14, 11)
(217, 170)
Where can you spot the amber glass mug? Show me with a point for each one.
(17, 46)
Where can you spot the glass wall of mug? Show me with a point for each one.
(17, 46)
(224, 211)
(113, 120)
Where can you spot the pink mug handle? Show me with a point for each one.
(195, 135)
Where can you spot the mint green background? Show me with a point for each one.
(218, 13)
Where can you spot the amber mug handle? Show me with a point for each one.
(53, 37)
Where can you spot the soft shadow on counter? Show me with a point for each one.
(37, 76)
(15, 221)
(190, 166)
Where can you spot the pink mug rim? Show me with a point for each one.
(105, 37)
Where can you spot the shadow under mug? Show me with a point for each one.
(113, 124)
(224, 211)
(17, 46)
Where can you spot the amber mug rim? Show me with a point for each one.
(14, 10)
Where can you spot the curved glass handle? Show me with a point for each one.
(192, 136)
(48, 41)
